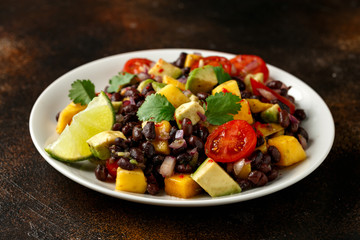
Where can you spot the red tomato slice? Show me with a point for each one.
(214, 61)
(112, 167)
(231, 141)
(136, 65)
(246, 64)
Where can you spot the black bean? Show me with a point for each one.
(202, 96)
(256, 158)
(258, 178)
(149, 131)
(266, 159)
(124, 163)
(284, 118)
(173, 133)
(116, 96)
(181, 60)
(265, 168)
(195, 141)
(202, 133)
(137, 133)
(284, 92)
(300, 114)
(245, 94)
(273, 174)
(244, 184)
(183, 168)
(187, 127)
(131, 92)
(294, 126)
(152, 188)
(116, 126)
(186, 71)
(241, 85)
(101, 172)
(137, 154)
(127, 129)
(274, 84)
(149, 149)
(130, 117)
(274, 154)
(303, 133)
(158, 159)
(177, 151)
(147, 89)
(183, 157)
(128, 109)
(122, 143)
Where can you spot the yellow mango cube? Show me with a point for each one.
(169, 80)
(257, 106)
(161, 146)
(245, 171)
(228, 86)
(130, 180)
(67, 114)
(190, 59)
(290, 149)
(174, 95)
(182, 186)
(244, 113)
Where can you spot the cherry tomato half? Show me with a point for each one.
(231, 141)
(245, 64)
(111, 167)
(214, 61)
(136, 65)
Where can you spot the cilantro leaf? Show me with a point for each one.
(221, 75)
(156, 108)
(82, 91)
(220, 107)
(123, 78)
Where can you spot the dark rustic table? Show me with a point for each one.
(317, 41)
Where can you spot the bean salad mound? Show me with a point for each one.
(176, 117)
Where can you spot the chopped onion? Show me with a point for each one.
(202, 116)
(187, 93)
(266, 94)
(179, 134)
(193, 151)
(143, 76)
(178, 143)
(293, 119)
(183, 79)
(252, 65)
(125, 103)
(132, 101)
(167, 167)
(238, 166)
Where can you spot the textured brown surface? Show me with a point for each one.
(319, 42)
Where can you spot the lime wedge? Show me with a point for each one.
(71, 145)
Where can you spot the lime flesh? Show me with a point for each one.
(71, 145)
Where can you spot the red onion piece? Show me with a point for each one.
(187, 93)
(266, 94)
(183, 79)
(125, 103)
(193, 151)
(202, 116)
(179, 134)
(132, 101)
(293, 119)
(178, 143)
(167, 167)
(143, 76)
(252, 65)
(238, 166)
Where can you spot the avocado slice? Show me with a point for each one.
(99, 144)
(201, 79)
(271, 115)
(214, 180)
(162, 68)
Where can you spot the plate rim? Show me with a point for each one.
(177, 202)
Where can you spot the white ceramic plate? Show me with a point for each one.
(319, 124)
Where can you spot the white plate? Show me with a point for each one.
(319, 124)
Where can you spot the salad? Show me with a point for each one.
(198, 124)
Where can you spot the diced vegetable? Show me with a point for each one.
(182, 186)
(67, 114)
(173, 95)
(130, 180)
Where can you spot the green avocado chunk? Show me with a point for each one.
(214, 180)
(99, 144)
(188, 110)
(143, 84)
(157, 86)
(271, 115)
(201, 79)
